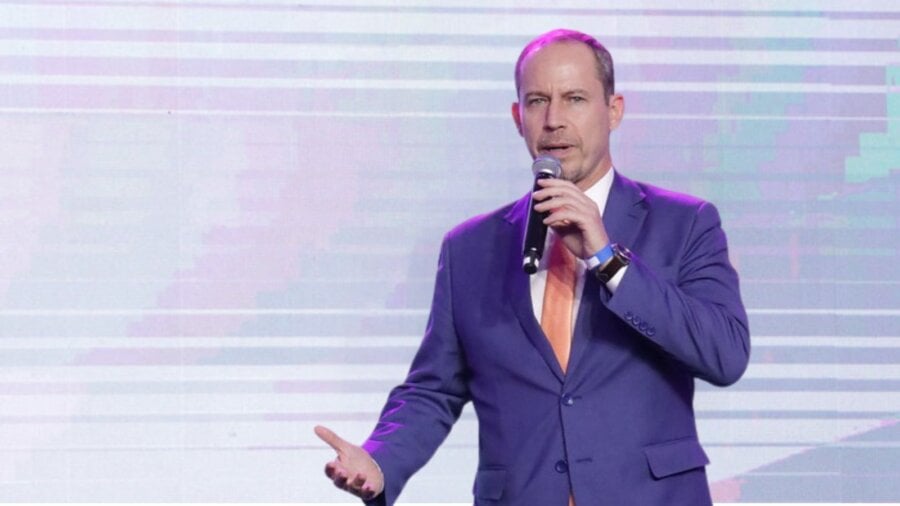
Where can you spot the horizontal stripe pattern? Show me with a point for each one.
(220, 221)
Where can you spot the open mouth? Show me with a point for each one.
(556, 150)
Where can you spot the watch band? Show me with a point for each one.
(599, 257)
(620, 258)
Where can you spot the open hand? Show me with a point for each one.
(354, 470)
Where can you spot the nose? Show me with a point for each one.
(553, 117)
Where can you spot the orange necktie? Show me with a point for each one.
(559, 299)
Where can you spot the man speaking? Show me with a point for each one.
(581, 374)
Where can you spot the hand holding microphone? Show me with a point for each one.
(560, 204)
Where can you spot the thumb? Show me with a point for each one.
(333, 440)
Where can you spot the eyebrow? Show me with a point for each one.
(576, 91)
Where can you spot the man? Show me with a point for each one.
(603, 414)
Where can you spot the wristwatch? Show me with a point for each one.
(620, 258)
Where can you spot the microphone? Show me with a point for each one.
(544, 167)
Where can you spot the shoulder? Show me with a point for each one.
(661, 197)
(488, 224)
(670, 206)
(664, 205)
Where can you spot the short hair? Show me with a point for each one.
(603, 59)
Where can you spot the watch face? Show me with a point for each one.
(623, 253)
(621, 258)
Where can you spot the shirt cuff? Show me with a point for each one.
(613, 282)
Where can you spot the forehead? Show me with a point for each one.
(559, 63)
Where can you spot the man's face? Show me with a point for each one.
(562, 111)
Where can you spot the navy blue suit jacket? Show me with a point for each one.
(618, 428)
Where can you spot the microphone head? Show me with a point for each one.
(547, 165)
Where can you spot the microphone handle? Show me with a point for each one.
(535, 231)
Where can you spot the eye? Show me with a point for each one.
(536, 100)
(576, 98)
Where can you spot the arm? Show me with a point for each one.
(694, 314)
(419, 413)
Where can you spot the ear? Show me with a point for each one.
(616, 111)
(517, 116)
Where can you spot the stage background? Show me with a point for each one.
(221, 220)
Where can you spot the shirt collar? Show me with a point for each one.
(599, 192)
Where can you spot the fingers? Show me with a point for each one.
(331, 469)
(333, 440)
(578, 207)
(367, 493)
(342, 479)
(346, 471)
(357, 486)
(562, 218)
(556, 182)
(557, 193)
(337, 473)
(572, 214)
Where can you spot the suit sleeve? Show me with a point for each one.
(693, 313)
(420, 412)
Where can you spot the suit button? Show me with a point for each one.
(568, 400)
(636, 320)
(628, 316)
(651, 331)
(643, 326)
(561, 466)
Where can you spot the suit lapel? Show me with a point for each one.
(623, 217)
(518, 288)
(624, 213)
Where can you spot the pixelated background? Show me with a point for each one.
(221, 220)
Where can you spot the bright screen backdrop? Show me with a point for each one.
(221, 220)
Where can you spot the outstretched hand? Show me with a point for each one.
(354, 470)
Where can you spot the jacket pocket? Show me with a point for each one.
(489, 483)
(672, 457)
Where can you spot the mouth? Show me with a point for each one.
(557, 150)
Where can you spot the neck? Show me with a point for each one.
(596, 175)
